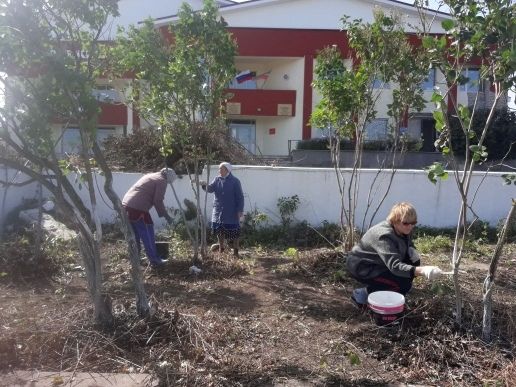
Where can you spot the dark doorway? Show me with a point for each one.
(429, 135)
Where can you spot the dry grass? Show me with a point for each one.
(260, 320)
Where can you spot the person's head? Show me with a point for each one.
(169, 174)
(403, 218)
(225, 169)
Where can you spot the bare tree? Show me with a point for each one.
(52, 53)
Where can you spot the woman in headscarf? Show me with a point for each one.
(228, 207)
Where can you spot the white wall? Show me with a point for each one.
(437, 205)
(320, 14)
(134, 11)
(11, 197)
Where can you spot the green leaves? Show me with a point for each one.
(436, 171)
(440, 123)
(185, 78)
(478, 153)
(383, 52)
(353, 358)
(447, 24)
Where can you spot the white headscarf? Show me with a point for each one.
(227, 166)
(169, 174)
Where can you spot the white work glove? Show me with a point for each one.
(414, 255)
(431, 272)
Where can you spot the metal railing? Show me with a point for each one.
(290, 144)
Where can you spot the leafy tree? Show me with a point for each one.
(381, 53)
(480, 32)
(180, 79)
(52, 54)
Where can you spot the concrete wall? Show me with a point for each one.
(12, 197)
(437, 205)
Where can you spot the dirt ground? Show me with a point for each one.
(262, 320)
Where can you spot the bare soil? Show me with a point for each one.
(262, 320)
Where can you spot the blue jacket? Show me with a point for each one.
(229, 199)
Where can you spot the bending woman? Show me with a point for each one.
(386, 259)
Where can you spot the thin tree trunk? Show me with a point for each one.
(101, 302)
(39, 227)
(493, 266)
(142, 301)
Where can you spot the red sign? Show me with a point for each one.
(272, 131)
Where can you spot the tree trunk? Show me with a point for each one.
(142, 301)
(91, 257)
(493, 266)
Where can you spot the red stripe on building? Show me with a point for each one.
(286, 42)
(307, 97)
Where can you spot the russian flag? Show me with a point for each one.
(245, 75)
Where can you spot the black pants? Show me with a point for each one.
(388, 281)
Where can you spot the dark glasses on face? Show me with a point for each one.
(409, 223)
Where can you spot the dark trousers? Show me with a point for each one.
(388, 281)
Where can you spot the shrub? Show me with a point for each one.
(136, 152)
(382, 145)
(433, 244)
(323, 144)
(501, 134)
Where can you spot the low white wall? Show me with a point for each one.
(11, 197)
(437, 205)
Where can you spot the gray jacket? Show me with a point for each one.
(381, 250)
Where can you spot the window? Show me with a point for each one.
(473, 84)
(379, 83)
(429, 82)
(376, 130)
(245, 133)
(71, 141)
(106, 93)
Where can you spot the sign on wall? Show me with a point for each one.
(284, 109)
(233, 108)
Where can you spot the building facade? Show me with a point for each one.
(278, 41)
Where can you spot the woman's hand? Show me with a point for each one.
(429, 272)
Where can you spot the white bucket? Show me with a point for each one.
(386, 306)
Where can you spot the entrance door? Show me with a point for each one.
(245, 133)
(429, 135)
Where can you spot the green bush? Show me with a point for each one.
(296, 235)
(383, 145)
(500, 135)
(433, 244)
(323, 144)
